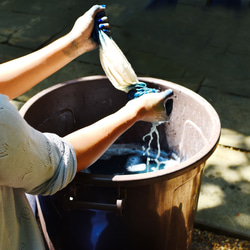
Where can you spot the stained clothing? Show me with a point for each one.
(31, 162)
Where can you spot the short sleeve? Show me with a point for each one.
(63, 157)
(39, 163)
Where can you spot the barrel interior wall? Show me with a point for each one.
(73, 106)
(190, 126)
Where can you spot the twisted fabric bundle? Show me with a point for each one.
(116, 66)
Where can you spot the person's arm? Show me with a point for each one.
(91, 142)
(19, 75)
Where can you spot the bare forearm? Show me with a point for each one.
(19, 75)
(91, 142)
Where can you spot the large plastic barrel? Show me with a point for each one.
(153, 210)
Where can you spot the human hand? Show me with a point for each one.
(153, 107)
(82, 30)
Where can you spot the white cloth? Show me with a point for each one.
(31, 162)
(116, 66)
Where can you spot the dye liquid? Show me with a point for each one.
(122, 159)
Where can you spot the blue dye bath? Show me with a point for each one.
(123, 159)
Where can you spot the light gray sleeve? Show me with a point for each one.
(63, 157)
(38, 163)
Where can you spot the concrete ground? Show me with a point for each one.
(205, 48)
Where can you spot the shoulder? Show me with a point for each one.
(10, 119)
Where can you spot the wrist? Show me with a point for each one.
(79, 44)
(135, 109)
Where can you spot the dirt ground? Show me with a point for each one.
(206, 240)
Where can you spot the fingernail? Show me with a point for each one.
(103, 5)
(168, 92)
(106, 31)
(101, 26)
(99, 21)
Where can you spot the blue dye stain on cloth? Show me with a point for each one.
(115, 64)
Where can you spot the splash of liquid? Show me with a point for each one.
(134, 159)
(151, 133)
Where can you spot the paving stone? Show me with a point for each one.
(3, 39)
(166, 40)
(7, 5)
(8, 52)
(68, 9)
(17, 103)
(11, 22)
(240, 45)
(230, 74)
(231, 33)
(200, 61)
(194, 2)
(120, 12)
(223, 27)
(180, 39)
(244, 22)
(224, 195)
(190, 80)
(36, 32)
(149, 65)
(29, 31)
(187, 38)
(234, 112)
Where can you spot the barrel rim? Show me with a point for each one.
(193, 162)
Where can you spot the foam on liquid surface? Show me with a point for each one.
(122, 159)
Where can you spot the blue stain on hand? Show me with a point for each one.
(98, 25)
